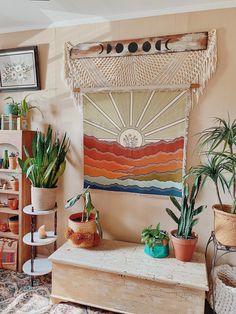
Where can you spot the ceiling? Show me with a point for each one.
(17, 15)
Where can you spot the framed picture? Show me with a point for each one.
(19, 69)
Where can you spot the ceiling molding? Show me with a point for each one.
(130, 15)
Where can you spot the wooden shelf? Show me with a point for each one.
(9, 235)
(7, 210)
(9, 191)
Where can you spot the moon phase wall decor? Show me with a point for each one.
(135, 141)
(152, 45)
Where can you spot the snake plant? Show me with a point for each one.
(88, 208)
(48, 161)
(187, 209)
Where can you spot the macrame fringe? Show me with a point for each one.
(136, 72)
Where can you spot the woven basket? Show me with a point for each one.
(88, 227)
(43, 198)
(225, 225)
(224, 278)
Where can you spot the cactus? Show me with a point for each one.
(187, 210)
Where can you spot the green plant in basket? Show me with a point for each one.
(88, 208)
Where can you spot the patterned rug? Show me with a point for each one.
(18, 297)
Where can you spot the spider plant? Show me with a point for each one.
(220, 165)
(48, 161)
(24, 107)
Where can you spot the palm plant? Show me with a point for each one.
(187, 209)
(220, 167)
(48, 161)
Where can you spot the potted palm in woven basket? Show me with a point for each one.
(45, 167)
(218, 144)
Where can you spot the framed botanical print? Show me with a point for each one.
(19, 69)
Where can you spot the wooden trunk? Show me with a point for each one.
(118, 276)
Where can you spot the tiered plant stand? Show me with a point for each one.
(37, 266)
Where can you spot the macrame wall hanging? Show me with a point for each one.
(136, 114)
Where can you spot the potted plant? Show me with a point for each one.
(184, 239)
(156, 241)
(12, 161)
(84, 228)
(218, 144)
(14, 183)
(11, 107)
(24, 108)
(45, 167)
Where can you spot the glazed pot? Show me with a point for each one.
(14, 224)
(184, 248)
(224, 224)
(14, 185)
(82, 234)
(12, 163)
(13, 203)
(43, 198)
(158, 250)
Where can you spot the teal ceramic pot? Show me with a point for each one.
(158, 251)
(10, 108)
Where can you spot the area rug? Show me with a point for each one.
(18, 297)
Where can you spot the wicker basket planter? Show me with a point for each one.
(224, 225)
(43, 198)
(224, 278)
(82, 234)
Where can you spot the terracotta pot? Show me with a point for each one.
(84, 234)
(184, 248)
(12, 163)
(14, 185)
(14, 224)
(43, 198)
(224, 224)
(13, 203)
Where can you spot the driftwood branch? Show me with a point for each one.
(141, 46)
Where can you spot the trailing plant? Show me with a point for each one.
(186, 221)
(48, 161)
(88, 207)
(218, 143)
(152, 236)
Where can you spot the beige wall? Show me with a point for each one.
(124, 215)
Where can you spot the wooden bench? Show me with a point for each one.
(118, 276)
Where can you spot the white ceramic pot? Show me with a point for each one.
(43, 198)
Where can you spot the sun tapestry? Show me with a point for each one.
(135, 141)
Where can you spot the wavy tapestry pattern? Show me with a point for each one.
(134, 142)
